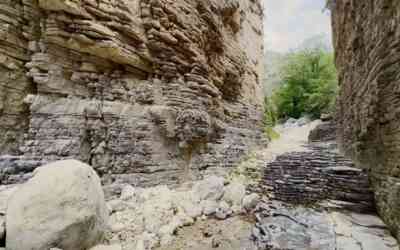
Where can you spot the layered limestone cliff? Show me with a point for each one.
(367, 42)
(147, 91)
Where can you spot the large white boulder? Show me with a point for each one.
(61, 206)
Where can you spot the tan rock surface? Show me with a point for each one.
(146, 91)
(366, 41)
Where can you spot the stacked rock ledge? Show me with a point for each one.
(146, 92)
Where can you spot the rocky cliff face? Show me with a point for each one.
(366, 35)
(148, 91)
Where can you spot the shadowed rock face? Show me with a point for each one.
(366, 37)
(145, 91)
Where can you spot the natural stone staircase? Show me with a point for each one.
(318, 200)
(319, 174)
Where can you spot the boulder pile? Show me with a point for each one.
(143, 219)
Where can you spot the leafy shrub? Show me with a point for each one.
(309, 86)
(270, 113)
(271, 134)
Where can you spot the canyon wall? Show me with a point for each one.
(145, 91)
(367, 43)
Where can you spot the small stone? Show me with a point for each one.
(215, 243)
(140, 245)
(234, 193)
(250, 201)
(116, 206)
(184, 219)
(223, 211)
(169, 229)
(191, 208)
(209, 207)
(33, 46)
(207, 233)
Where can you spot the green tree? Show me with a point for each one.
(309, 85)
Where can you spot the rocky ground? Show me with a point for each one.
(281, 227)
(317, 198)
(294, 195)
(160, 217)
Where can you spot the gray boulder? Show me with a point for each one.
(211, 188)
(62, 206)
(223, 211)
(325, 131)
(250, 201)
(234, 193)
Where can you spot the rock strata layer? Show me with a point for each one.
(366, 40)
(144, 91)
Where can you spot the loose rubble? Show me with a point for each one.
(145, 218)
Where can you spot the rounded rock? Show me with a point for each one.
(61, 206)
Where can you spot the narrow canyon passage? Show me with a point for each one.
(157, 124)
(317, 198)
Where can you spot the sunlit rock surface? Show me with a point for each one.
(145, 91)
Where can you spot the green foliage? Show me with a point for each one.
(271, 134)
(270, 120)
(270, 114)
(309, 86)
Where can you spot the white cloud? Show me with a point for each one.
(289, 22)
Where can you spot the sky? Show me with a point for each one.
(289, 22)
